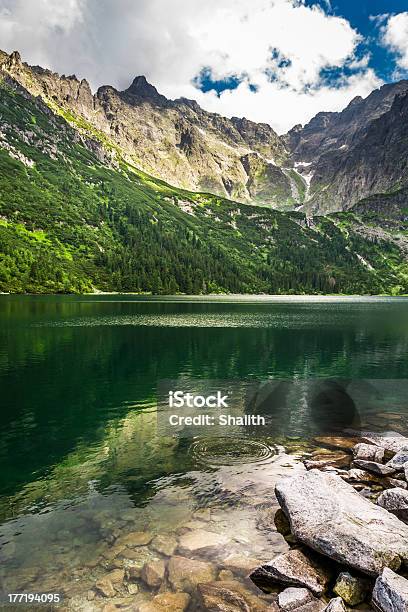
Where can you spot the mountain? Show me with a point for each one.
(354, 154)
(77, 214)
(174, 140)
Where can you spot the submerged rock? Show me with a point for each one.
(292, 598)
(293, 568)
(200, 541)
(240, 564)
(229, 597)
(395, 501)
(164, 544)
(335, 605)
(166, 602)
(153, 573)
(135, 538)
(328, 515)
(184, 574)
(391, 592)
(328, 459)
(352, 589)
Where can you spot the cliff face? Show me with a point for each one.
(174, 140)
(326, 166)
(356, 153)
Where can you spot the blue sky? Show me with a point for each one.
(273, 61)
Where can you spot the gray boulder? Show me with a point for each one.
(399, 460)
(391, 592)
(368, 452)
(328, 515)
(293, 569)
(395, 501)
(336, 605)
(376, 468)
(391, 441)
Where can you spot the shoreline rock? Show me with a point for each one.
(329, 516)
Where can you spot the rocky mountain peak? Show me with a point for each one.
(12, 61)
(141, 88)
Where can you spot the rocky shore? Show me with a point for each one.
(345, 517)
(330, 536)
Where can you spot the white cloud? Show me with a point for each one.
(110, 41)
(395, 37)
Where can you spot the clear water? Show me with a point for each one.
(81, 460)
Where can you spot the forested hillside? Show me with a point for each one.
(77, 217)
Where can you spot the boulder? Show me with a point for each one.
(399, 460)
(391, 592)
(352, 589)
(395, 501)
(292, 598)
(293, 568)
(184, 574)
(335, 605)
(391, 441)
(329, 516)
(376, 468)
(229, 597)
(368, 452)
(200, 541)
(153, 573)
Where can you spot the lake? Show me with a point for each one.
(82, 460)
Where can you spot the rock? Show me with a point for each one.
(105, 587)
(132, 588)
(164, 544)
(391, 592)
(166, 602)
(295, 569)
(229, 597)
(240, 564)
(292, 598)
(184, 574)
(376, 468)
(351, 589)
(328, 459)
(391, 441)
(153, 573)
(399, 460)
(200, 541)
(394, 482)
(336, 605)
(281, 522)
(328, 515)
(136, 538)
(368, 452)
(395, 501)
(337, 442)
(225, 575)
(117, 576)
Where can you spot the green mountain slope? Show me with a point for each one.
(76, 217)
